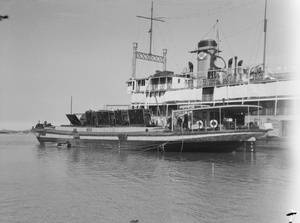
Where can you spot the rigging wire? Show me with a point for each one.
(138, 29)
(209, 12)
(220, 9)
(255, 47)
(226, 39)
(174, 46)
(273, 39)
(244, 30)
(209, 31)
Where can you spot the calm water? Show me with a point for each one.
(88, 185)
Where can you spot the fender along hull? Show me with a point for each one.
(210, 141)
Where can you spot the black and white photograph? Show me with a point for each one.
(142, 111)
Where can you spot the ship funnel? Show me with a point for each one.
(205, 51)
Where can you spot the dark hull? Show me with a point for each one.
(222, 141)
(179, 146)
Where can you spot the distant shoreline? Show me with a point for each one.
(4, 131)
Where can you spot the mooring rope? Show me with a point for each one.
(158, 146)
(182, 140)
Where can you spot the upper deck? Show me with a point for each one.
(164, 87)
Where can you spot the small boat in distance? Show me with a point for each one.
(193, 129)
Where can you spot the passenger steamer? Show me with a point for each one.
(215, 109)
(165, 91)
(231, 84)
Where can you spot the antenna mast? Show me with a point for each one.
(265, 40)
(151, 25)
(218, 37)
(150, 31)
(148, 56)
(71, 105)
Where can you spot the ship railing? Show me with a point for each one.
(242, 75)
(285, 75)
(186, 119)
(229, 76)
(155, 87)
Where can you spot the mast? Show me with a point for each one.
(150, 31)
(151, 25)
(265, 41)
(148, 56)
(71, 104)
(218, 38)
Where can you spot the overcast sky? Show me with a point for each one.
(54, 49)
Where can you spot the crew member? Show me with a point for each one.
(191, 67)
(185, 121)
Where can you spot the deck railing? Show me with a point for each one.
(225, 77)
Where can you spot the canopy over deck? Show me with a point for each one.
(225, 108)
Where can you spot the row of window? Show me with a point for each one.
(155, 94)
(155, 82)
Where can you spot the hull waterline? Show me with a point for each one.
(210, 141)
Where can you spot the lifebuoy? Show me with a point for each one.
(199, 124)
(213, 65)
(213, 123)
(213, 58)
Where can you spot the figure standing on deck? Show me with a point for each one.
(185, 121)
(191, 67)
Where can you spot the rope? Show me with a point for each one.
(153, 146)
(149, 147)
(181, 144)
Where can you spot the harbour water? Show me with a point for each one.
(50, 184)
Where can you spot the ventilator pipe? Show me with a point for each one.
(235, 65)
(135, 45)
(164, 59)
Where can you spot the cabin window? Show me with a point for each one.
(178, 81)
(129, 84)
(143, 83)
(161, 93)
(285, 107)
(163, 81)
(268, 108)
(209, 90)
(154, 81)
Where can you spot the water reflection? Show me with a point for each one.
(84, 184)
